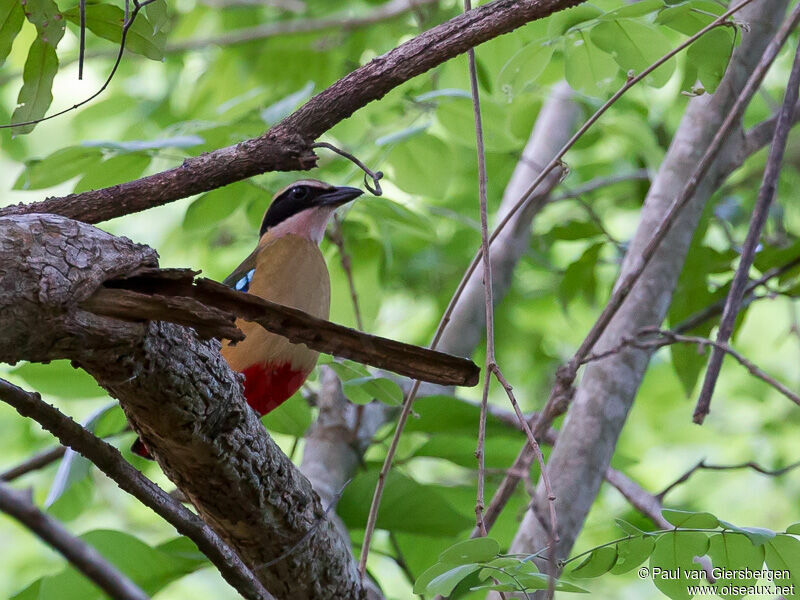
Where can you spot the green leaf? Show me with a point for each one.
(364, 390)
(757, 535)
(347, 369)
(443, 584)
(105, 21)
(59, 378)
(638, 9)
(793, 529)
(710, 55)
(525, 66)
(157, 15)
(410, 161)
(575, 230)
(49, 22)
(72, 488)
(284, 107)
(690, 17)
(112, 171)
(148, 567)
(58, 167)
(587, 69)
(579, 277)
(734, 552)
(673, 558)
(597, 563)
(471, 551)
(628, 528)
(37, 81)
(293, 417)
(783, 554)
(407, 506)
(688, 519)
(457, 119)
(633, 552)
(559, 23)
(500, 451)
(442, 574)
(213, 207)
(635, 46)
(11, 19)
(448, 415)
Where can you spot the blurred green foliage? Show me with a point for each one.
(408, 251)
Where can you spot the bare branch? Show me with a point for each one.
(666, 337)
(183, 300)
(38, 461)
(765, 196)
(702, 465)
(287, 145)
(80, 554)
(110, 461)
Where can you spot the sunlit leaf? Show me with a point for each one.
(480, 549)
(37, 81)
(688, 519)
(11, 19)
(635, 46)
(106, 20)
(58, 167)
(674, 554)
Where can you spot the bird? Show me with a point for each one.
(286, 267)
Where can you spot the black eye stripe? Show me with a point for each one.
(289, 204)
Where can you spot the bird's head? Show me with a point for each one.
(304, 208)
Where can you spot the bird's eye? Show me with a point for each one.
(299, 192)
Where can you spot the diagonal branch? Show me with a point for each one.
(766, 194)
(209, 307)
(287, 145)
(110, 461)
(85, 558)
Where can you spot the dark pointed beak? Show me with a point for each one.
(339, 195)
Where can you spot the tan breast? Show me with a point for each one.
(289, 270)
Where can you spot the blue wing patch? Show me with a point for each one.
(243, 284)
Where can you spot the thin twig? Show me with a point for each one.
(488, 299)
(125, 28)
(376, 176)
(665, 337)
(698, 318)
(600, 182)
(82, 46)
(551, 498)
(336, 236)
(110, 461)
(38, 461)
(80, 554)
(702, 465)
(766, 194)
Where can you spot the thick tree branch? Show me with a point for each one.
(178, 394)
(110, 461)
(287, 145)
(80, 554)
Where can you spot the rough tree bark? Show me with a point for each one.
(179, 393)
(605, 394)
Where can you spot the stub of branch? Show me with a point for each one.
(210, 307)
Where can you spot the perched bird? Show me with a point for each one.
(288, 268)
